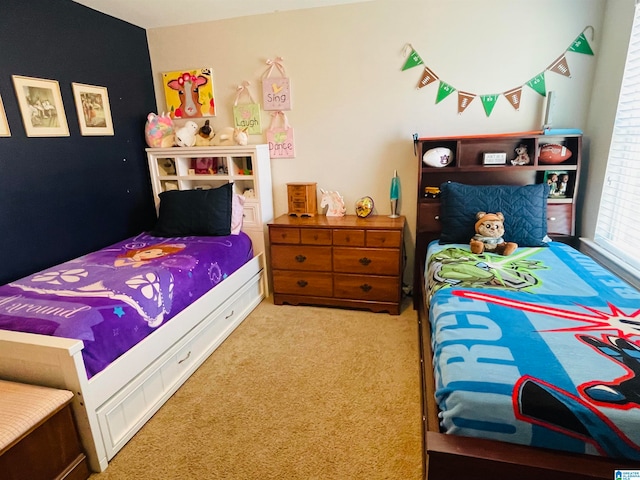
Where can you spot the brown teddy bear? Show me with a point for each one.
(488, 237)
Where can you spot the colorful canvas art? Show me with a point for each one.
(189, 93)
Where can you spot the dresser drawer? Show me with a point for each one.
(429, 217)
(367, 287)
(315, 236)
(374, 261)
(345, 237)
(301, 257)
(303, 283)
(284, 235)
(559, 219)
(384, 238)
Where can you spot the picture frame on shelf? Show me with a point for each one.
(494, 158)
(41, 107)
(560, 183)
(4, 123)
(94, 111)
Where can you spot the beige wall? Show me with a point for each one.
(354, 110)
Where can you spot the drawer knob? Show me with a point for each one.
(437, 217)
(552, 219)
(366, 287)
(365, 261)
(300, 258)
(315, 237)
(302, 283)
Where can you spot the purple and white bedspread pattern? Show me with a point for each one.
(114, 297)
(540, 348)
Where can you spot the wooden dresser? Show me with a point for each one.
(338, 261)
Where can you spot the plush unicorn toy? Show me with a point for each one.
(335, 203)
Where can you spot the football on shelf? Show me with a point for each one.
(438, 157)
(553, 153)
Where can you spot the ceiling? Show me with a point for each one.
(164, 13)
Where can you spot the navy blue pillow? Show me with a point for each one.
(184, 213)
(524, 209)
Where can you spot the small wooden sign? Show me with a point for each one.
(494, 158)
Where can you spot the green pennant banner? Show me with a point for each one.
(412, 61)
(444, 90)
(488, 102)
(581, 45)
(538, 84)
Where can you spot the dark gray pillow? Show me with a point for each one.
(195, 212)
(524, 209)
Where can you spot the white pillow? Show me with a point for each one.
(237, 213)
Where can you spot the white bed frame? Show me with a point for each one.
(114, 404)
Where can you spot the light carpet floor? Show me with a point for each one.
(294, 393)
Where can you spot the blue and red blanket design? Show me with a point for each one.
(538, 348)
(113, 298)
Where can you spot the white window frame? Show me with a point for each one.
(617, 234)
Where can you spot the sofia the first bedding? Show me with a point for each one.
(113, 298)
(539, 348)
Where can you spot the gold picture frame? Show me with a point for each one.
(94, 111)
(41, 107)
(4, 123)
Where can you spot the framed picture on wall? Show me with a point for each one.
(41, 107)
(4, 124)
(94, 111)
(189, 93)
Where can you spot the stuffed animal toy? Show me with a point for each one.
(489, 232)
(159, 131)
(522, 156)
(229, 136)
(204, 136)
(186, 136)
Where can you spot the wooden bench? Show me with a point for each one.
(38, 434)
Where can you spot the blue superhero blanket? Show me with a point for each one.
(539, 348)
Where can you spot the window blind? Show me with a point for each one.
(618, 223)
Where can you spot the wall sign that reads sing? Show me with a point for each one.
(276, 91)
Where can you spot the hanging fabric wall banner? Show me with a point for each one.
(444, 91)
(427, 77)
(276, 91)
(280, 137)
(464, 100)
(413, 60)
(513, 95)
(488, 102)
(538, 84)
(560, 66)
(247, 115)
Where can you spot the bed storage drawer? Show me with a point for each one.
(559, 218)
(124, 413)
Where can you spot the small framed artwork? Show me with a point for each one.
(494, 158)
(94, 111)
(560, 183)
(41, 107)
(4, 124)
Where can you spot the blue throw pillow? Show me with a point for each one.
(524, 209)
(184, 213)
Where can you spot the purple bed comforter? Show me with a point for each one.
(113, 298)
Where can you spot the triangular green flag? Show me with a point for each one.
(413, 61)
(488, 102)
(444, 90)
(537, 83)
(580, 45)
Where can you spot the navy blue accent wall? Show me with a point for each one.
(62, 197)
